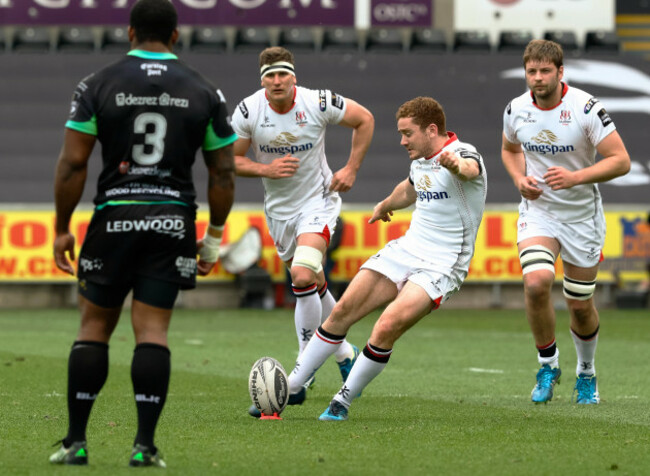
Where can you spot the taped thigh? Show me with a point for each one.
(579, 290)
(309, 258)
(536, 257)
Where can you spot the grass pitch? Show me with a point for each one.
(454, 400)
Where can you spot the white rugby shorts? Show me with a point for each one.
(581, 243)
(396, 263)
(312, 218)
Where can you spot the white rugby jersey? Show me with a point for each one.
(448, 211)
(567, 136)
(300, 133)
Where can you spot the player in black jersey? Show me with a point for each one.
(151, 114)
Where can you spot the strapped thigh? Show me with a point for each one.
(536, 257)
(579, 290)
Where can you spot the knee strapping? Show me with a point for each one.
(309, 258)
(536, 257)
(578, 290)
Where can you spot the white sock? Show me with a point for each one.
(362, 373)
(553, 362)
(345, 350)
(309, 361)
(307, 314)
(586, 352)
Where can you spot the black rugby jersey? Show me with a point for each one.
(151, 113)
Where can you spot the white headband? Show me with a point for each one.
(277, 66)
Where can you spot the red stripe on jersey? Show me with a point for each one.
(295, 92)
(565, 89)
(451, 138)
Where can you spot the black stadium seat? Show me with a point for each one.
(252, 39)
(36, 39)
(208, 39)
(76, 39)
(115, 40)
(472, 42)
(340, 40)
(428, 40)
(566, 38)
(298, 39)
(514, 41)
(385, 40)
(602, 41)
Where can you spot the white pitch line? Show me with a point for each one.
(485, 371)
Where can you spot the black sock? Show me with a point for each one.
(150, 371)
(87, 372)
(548, 351)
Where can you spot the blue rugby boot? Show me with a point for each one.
(335, 412)
(586, 390)
(346, 365)
(546, 380)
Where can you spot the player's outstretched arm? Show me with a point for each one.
(402, 196)
(512, 156)
(69, 181)
(464, 169)
(615, 162)
(362, 121)
(221, 193)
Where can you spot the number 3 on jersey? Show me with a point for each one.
(155, 138)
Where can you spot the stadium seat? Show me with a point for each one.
(514, 41)
(601, 41)
(428, 40)
(385, 40)
(567, 39)
(32, 40)
(340, 40)
(472, 42)
(252, 39)
(76, 39)
(208, 39)
(116, 40)
(298, 39)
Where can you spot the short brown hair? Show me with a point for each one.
(274, 54)
(544, 50)
(424, 111)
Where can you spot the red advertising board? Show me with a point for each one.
(26, 239)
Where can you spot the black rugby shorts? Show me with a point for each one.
(125, 241)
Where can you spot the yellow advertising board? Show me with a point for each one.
(26, 238)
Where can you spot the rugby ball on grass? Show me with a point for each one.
(268, 386)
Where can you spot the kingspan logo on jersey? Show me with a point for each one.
(285, 143)
(545, 144)
(421, 188)
(171, 225)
